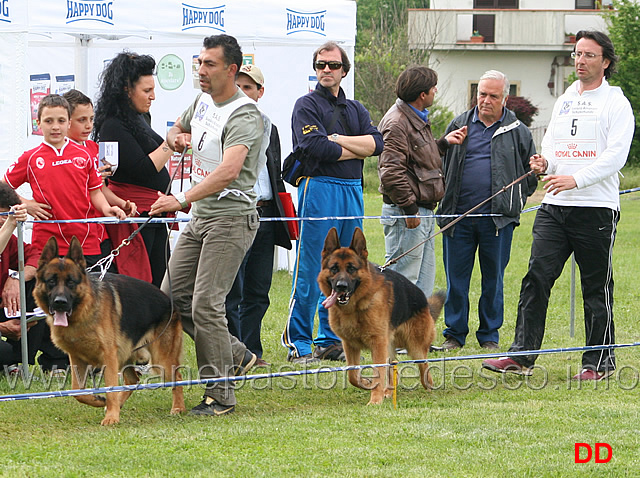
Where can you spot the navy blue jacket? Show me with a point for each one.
(309, 122)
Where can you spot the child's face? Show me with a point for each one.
(81, 123)
(54, 123)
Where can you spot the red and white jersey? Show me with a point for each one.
(93, 149)
(63, 179)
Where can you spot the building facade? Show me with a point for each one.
(528, 40)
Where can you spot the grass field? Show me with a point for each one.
(473, 424)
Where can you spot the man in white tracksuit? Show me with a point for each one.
(584, 148)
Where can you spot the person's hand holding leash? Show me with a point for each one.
(538, 164)
(164, 203)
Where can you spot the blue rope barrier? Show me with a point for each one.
(294, 373)
(166, 220)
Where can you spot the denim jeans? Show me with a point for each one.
(494, 249)
(419, 266)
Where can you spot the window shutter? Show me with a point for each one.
(485, 24)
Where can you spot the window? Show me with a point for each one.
(485, 25)
(500, 4)
(585, 4)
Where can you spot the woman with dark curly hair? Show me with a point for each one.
(126, 92)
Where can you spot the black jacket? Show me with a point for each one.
(511, 147)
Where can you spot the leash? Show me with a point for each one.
(166, 258)
(459, 218)
(105, 262)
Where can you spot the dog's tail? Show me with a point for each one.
(436, 302)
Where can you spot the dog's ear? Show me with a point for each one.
(331, 243)
(75, 253)
(359, 244)
(49, 252)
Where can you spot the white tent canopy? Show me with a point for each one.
(67, 43)
(59, 38)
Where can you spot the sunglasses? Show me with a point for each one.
(333, 65)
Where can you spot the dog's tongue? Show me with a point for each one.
(329, 301)
(60, 318)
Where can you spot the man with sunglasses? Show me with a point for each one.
(583, 150)
(337, 134)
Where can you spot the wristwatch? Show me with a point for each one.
(334, 137)
(14, 274)
(182, 199)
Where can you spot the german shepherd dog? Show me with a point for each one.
(375, 310)
(100, 324)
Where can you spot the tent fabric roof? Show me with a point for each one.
(263, 20)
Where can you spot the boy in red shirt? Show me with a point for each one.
(80, 127)
(65, 185)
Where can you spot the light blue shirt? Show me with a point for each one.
(422, 114)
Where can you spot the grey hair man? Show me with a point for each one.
(495, 152)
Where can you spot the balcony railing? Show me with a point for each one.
(512, 29)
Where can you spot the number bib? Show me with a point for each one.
(207, 125)
(575, 131)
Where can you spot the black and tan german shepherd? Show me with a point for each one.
(375, 310)
(100, 323)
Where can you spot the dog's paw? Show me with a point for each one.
(388, 393)
(110, 420)
(376, 400)
(178, 410)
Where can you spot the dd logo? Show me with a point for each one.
(591, 453)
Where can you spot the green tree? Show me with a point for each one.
(624, 31)
(382, 53)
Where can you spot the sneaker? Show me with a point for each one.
(248, 361)
(142, 369)
(451, 344)
(331, 352)
(13, 370)
(490, 345)
(589, 374)
(58, 373)
(506, 365)
(303, 360)
(209, 406)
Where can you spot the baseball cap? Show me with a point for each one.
(253, 72)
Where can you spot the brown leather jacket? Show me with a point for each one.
(410, 166)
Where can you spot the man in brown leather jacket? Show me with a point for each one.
(411, 177)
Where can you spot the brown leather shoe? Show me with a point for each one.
(451, 344)
(490, 345)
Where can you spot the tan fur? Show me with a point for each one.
(365, 321)
(94, 337)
